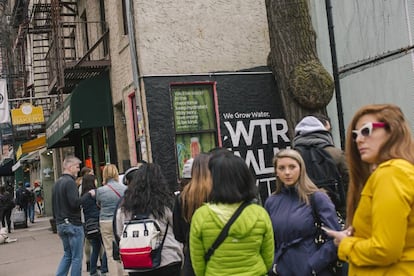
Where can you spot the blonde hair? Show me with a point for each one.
(110, 172)
(198, 190)
(305, 186)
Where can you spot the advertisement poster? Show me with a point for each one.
(256, 136)
(194, 120)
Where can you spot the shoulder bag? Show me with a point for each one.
(225, 231)
(337, 267)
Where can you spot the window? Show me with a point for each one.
(124, 17)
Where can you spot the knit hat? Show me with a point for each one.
(188, 165)
(27, 184)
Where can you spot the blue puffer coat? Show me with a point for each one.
(294, 228)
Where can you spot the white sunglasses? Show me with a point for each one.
(366, 130)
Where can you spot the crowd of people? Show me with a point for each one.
(215, 225)
(21, 204)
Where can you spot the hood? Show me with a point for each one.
(309, 124)
(242, 226)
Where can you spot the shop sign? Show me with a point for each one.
(61, 123)
(27, 114)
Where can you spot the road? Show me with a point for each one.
(36, 252)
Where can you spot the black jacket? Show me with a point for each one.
(66, 201)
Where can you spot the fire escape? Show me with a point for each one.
(66, 47)
(51, 48)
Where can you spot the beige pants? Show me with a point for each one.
(114, 267)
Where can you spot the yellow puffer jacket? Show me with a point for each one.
(248, 249)
(383, 241)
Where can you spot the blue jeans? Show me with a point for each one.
(30, 212)
(72, 237)
(96, 248)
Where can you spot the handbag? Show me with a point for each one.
(115, 251)
(92, 229)
(337, 267)
(225, 231)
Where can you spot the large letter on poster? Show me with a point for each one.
(4, 103)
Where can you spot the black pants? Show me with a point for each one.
(6, 218)
(173, 269)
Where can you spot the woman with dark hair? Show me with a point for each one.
(249, 246)
(380, 154)
(148, 194)
(91, 213)
(293, 208)
(194, 194)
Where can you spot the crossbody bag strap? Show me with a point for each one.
(224, 232)
(114, 190)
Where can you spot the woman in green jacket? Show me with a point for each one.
(249, 246)
(380, 153)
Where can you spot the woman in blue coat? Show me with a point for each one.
(290, 210)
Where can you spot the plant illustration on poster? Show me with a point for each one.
(194, 119)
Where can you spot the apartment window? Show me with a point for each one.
(124, 17)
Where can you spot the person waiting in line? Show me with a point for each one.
(148, 193)
(291, 211)
(67, 214)
(380, 154)
(107, 197)
(194, 194)
(248, 248)
(314, 131)
(86, 246)
(91, 212)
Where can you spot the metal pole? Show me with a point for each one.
(338, 97)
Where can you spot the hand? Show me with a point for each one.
(339, 235)
(92, 192)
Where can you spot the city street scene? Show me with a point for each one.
(181, 138)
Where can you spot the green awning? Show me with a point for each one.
(88, 106)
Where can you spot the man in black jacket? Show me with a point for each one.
(67, 214)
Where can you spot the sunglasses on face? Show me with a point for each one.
(366, 130)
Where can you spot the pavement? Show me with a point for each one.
(37, 251)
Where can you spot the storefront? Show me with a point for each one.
(85, 122)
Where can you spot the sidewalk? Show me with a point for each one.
(37, 251)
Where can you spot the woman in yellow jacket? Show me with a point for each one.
(380, 153)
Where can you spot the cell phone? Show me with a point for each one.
(326, 229)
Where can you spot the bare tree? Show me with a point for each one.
(304, 84)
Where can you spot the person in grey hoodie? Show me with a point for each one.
(314, 130)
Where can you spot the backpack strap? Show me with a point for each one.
(224, 232)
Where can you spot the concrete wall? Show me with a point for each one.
(187, 36)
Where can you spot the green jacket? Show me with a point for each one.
(383, 241)
(247, 250)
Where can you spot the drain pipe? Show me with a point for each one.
(338, 97)
(135, 75)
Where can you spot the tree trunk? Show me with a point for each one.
(305, 86)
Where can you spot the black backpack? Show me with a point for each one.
(323, 171)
